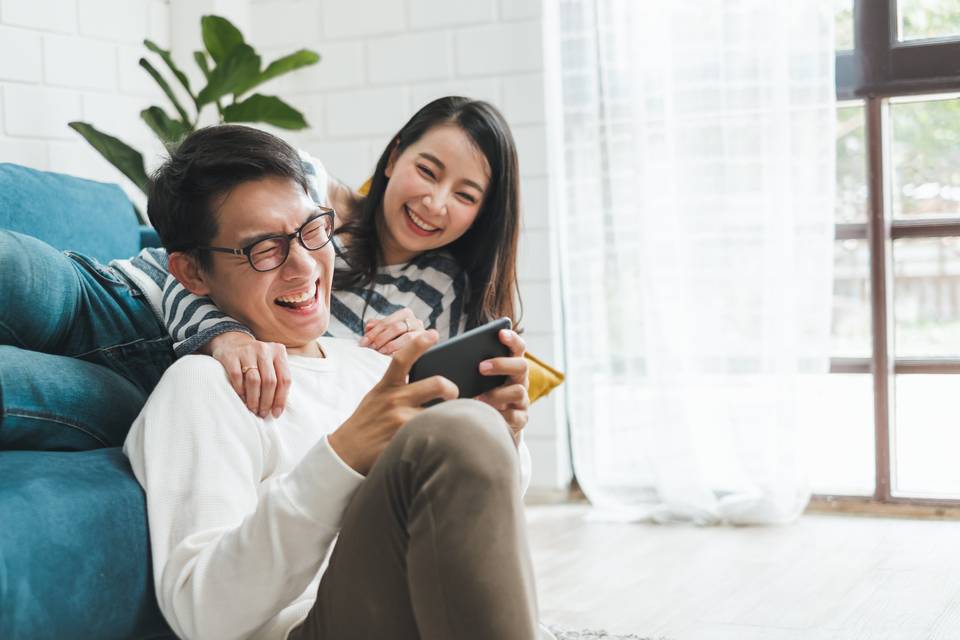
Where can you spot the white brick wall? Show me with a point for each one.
(113, 20)
(21, 55)
(43, 15)
(383, 59)
(410, 58)
(500, 48)
(63, 60)
(83, 63)
(39, 112)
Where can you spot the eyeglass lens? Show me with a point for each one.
(271, 253)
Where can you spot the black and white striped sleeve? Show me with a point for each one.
(193, 321)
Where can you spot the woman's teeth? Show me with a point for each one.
(420, 222)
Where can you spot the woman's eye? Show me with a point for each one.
(469, 199)
(425, 170)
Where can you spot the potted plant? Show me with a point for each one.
(232, 69)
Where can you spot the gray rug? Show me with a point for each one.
(587, 634)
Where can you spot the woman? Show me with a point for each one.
(441, 217)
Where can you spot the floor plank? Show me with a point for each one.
(827, 577)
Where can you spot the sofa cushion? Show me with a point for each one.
(88, 217)
(74, 552)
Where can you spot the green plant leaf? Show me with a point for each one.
(220, 37)
(238, 70)
(286, 64)
(268, 109)
(166, 89)
(167, 129)
(168, 60)
(203, 63)
(118, 153)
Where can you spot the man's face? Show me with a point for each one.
(290, 304)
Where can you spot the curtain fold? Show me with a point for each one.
(696, 249)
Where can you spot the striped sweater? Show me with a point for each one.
(432, 286)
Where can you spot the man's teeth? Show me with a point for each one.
(300, 297)
(420, 222)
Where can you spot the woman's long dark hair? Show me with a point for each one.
(487, 252)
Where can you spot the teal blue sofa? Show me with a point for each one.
(74, 548)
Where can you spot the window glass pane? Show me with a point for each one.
(926, 438)
(919, 19)
(843, 22)
(836, 419)
(926, 158)
(851, 202)
(851, 300)
(927, 297)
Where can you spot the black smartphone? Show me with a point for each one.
(458, 359)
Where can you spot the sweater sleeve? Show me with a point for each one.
(222, 540)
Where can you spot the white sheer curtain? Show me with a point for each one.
(696, 253)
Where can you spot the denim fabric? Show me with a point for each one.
(82, 349)
(74, 551)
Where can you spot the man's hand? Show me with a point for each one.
(258, 371)
(388, 406)
(390, 334)
(511, 398)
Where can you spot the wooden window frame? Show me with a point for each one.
(879, 68)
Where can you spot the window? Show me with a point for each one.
(896, 326)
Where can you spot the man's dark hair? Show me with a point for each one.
(186, 190)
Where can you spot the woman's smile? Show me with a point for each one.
(418, 225)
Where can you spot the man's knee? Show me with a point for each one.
(15, 250)
(467, 434)
(34, 278)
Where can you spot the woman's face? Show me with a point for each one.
(435, 189)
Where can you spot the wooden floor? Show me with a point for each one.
(827, 577)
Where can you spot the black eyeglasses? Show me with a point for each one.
(270, 253)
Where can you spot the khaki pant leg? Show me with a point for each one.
(433, 545)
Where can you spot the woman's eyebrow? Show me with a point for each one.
(432, 158)
(435, 160)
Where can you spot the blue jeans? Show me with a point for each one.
(80, 349)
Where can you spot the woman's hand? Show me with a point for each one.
(258, 371)
(511, 398)
(392, 333)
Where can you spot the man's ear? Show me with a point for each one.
(185, 268)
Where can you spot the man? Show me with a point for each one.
(244, 510)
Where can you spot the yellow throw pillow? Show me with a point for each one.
(543, 377)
